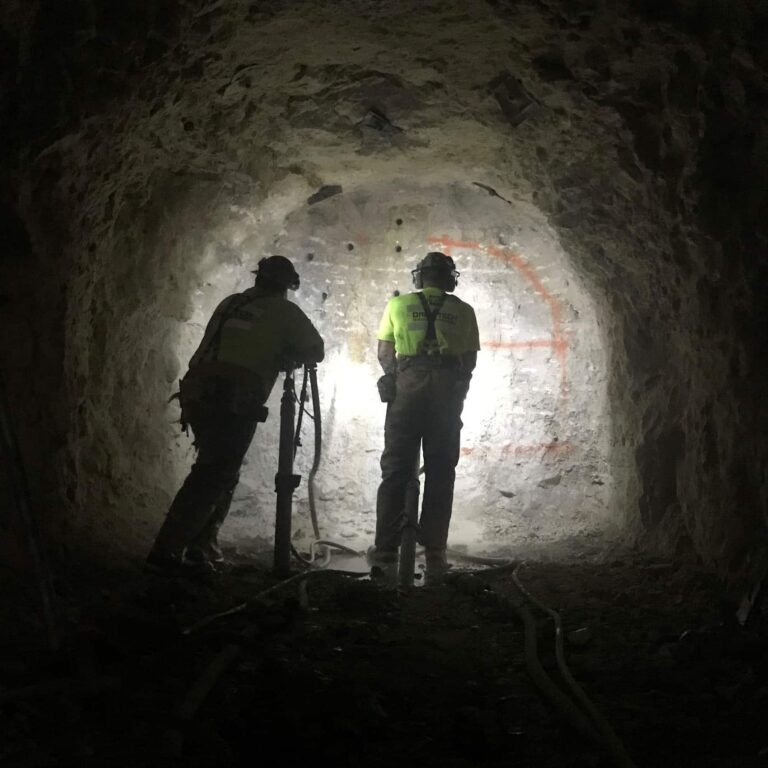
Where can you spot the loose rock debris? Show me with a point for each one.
(352, 673)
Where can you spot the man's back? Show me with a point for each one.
(258, 333)
(405, 323)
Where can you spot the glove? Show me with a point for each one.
(387, 386)
(287, 364)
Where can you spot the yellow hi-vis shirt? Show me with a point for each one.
(256, 333)
(405, 323)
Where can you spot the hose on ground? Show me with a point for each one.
(581, 713)
(221, 662)
(480, 560)
(540, 678)
(607, 735)
(240, 607)
(580, 720)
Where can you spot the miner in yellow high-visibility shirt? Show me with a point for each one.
(428, 345)
(249, 339)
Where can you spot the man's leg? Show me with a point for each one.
(402, 439)
(442, 442)
(222, 439)
(206, 543)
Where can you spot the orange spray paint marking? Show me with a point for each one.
(558, 448)
(530, 344)
(559, 342)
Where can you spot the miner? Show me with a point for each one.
(427, 346)
(249, 339)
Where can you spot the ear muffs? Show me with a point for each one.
(441, 263)
(451, 278)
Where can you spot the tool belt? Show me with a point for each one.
(428, 361)
(222, 392)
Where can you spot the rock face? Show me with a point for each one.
(537, 408)
(595, 172)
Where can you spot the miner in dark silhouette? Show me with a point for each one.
(249, 339)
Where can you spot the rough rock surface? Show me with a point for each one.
(145, 151)
(536, 457)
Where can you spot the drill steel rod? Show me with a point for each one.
(407, 562)
(285, 480)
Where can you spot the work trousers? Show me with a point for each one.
(426, 413)
(202, 503)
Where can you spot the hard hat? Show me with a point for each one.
(437, 261)
(278, 270)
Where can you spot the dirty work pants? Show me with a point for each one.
(426, 412)
(196, 514)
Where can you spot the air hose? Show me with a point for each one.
(607, 735)
(260, 597)
(587, 720)
(209, 676)
(318, 423)
(320, 549)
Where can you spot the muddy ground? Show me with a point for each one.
(344, 672)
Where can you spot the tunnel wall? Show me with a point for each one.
(536, 458)
(644, 145)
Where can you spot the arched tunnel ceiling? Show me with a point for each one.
(599, 121)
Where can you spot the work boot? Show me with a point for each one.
(383, 566)
(437, 566)
(173, 563)
(166, 561)
(209, 553)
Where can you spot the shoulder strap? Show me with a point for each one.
(431, 334)
(212, 350)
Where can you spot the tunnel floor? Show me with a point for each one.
(346, 673)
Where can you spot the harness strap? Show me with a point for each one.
(211, 352)
(430, 338)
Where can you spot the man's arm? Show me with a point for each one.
(387, 384)
(305, 345)
(314, 352)
(469, 358)
(386, 354)
(469, 361)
